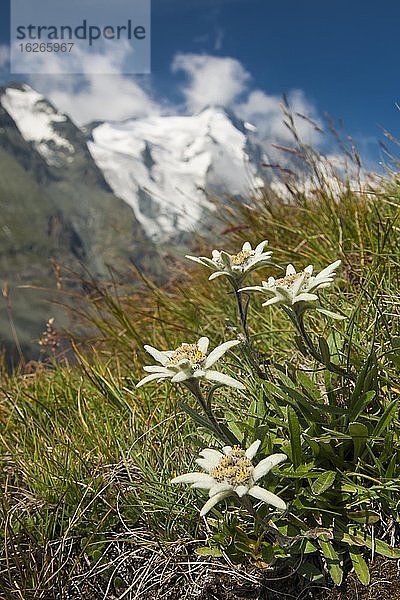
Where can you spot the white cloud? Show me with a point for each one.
(92, 96)
(210, 79)
(224, 80)
(266, 113)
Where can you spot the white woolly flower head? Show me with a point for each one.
(235, 266)
(232, 472)
(297, 287)
(189, 361)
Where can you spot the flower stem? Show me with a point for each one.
(299, 323)
(223, 432)
(272, 533)
(242, 312)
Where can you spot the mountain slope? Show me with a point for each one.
(55, 204)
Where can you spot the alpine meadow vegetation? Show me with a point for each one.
(286, 433)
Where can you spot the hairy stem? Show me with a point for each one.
(299, 323)
(242, 312)
(272, 533)
(223, 432)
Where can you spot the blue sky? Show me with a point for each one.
(342, 55)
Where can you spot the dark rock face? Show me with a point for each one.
(56, 210)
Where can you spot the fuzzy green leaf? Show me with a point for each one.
(333, 561)
(324, 350)
(323, 482)
(360, 566)
(385, 420)
(295, 440)
(359, 433)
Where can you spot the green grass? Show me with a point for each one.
(87, 458)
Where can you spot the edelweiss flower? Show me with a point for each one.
(233, 473)
(190, 361)
(237, 265)
(297, 287)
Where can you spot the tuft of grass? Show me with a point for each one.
(85, 499)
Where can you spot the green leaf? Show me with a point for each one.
(323, 482)
(360, 566)
(202, 421)
(324, 350)
(364, 379)
(308, 547)
(308, 385)
(333, 562)
(295, 440)
(309, 571)
(386, 418)
(359, 434)
(385, 550)
(358, 404)
(382, 548)
(366, 517)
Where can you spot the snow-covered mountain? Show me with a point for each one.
(37, 121)
(166, 168)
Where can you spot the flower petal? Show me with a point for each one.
(241, 490)
(297, 285)
(181, 376)
(224, 379)
(205, 483)
(193, 478)
(219, 351)
(273, 300)
(290, 270)
(202, 260)
(265, 496)
(158, 369)
(253, 449)
(265, 465)
(213, 501)
(260, 247)
(196, 259)
(219, 487)
(209, 459)
(328, 271)
(202, 344)
(159, 355)
(217, 274)
(330, 314)
(246, 247)
(151, 377)
(198, 373)
(305, 297)
(206, 464)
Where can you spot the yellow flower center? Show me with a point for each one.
(240, 258)
(290, 279)
(189, 352)
(234, 468)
